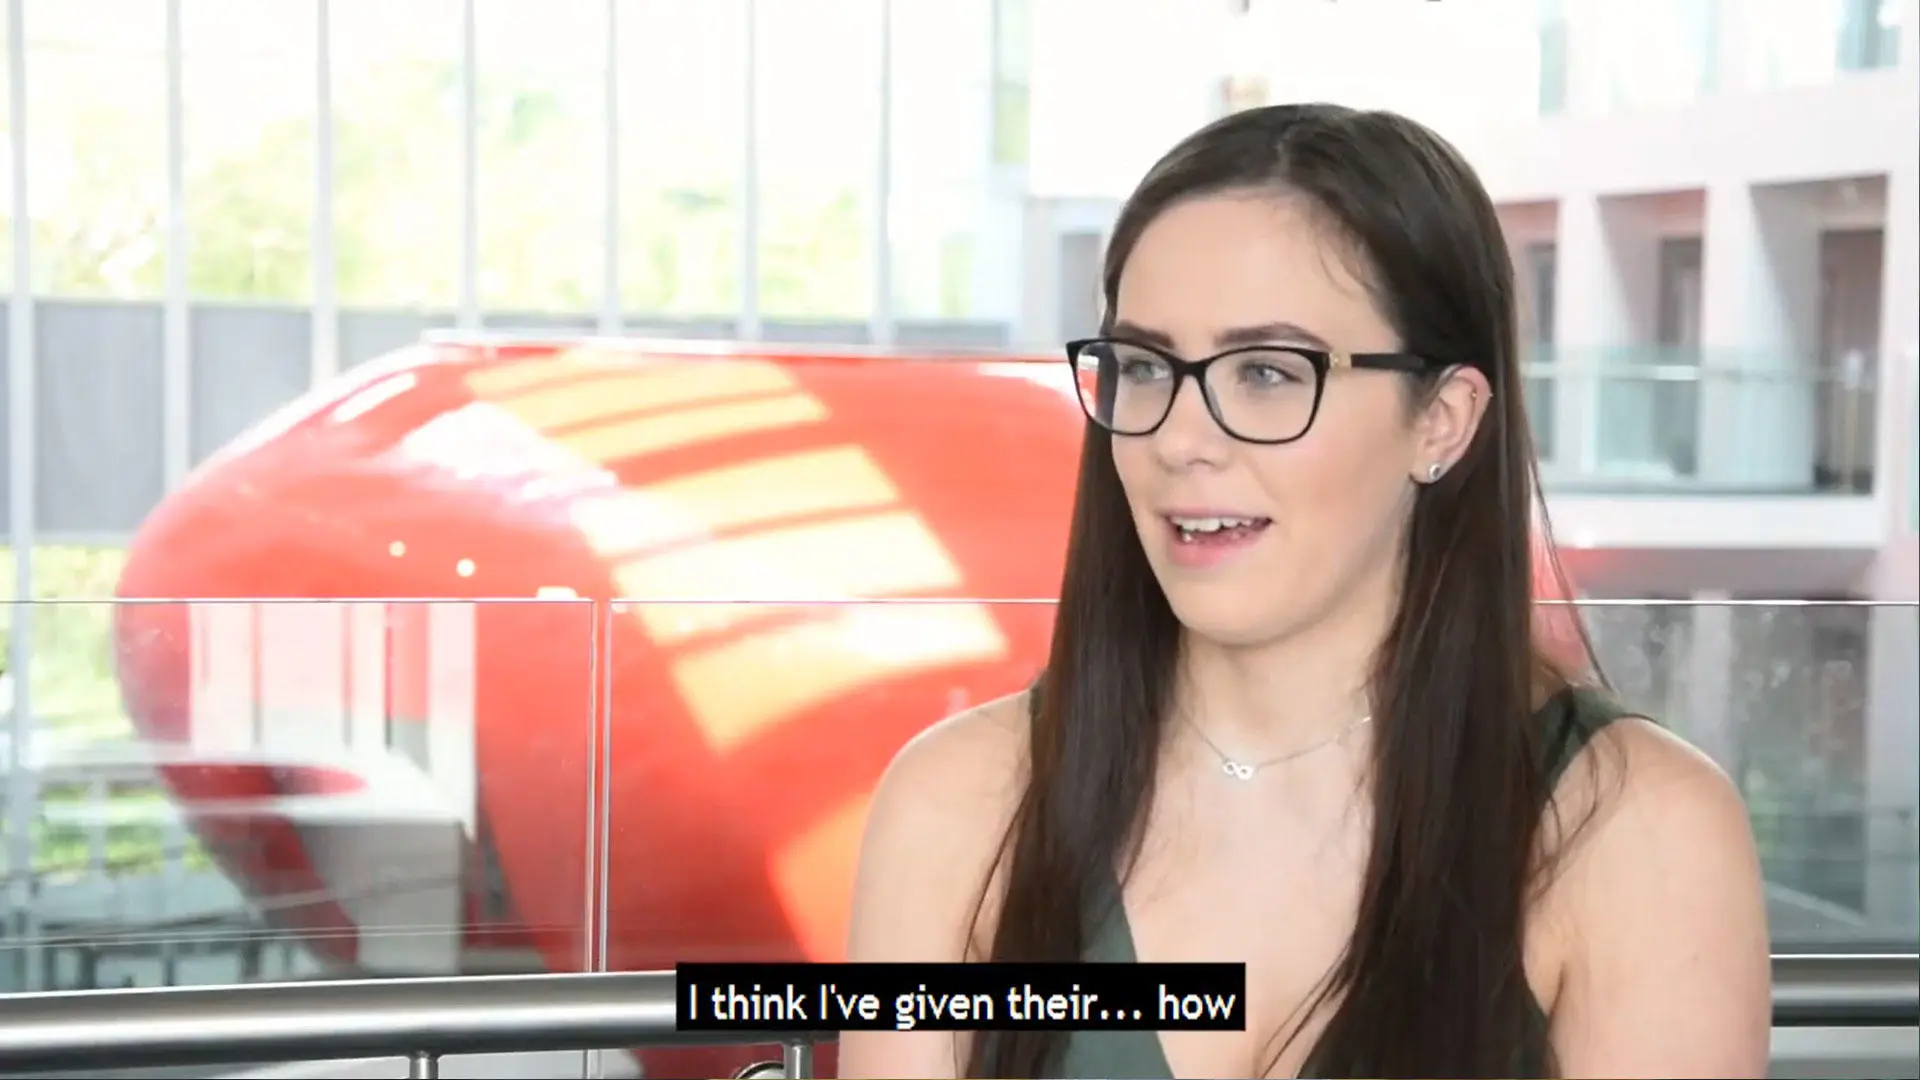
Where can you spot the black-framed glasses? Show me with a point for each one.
(1256, 393)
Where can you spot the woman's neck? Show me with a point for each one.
(1288, 692)
(1257, 704)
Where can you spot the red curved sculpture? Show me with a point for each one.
(619, 639)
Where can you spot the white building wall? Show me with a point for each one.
(1844, 128)
(1606, 290)
(1759, 335)
(1899, 449)
(1723, 120)
(1756, 154)
(1113, 86)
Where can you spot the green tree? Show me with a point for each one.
(679, 250)
(396, 209)
(396, 212)
(816, 265)
(104, 236)
(72, 660)
(250, 218)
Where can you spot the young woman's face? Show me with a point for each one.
(1305, 522)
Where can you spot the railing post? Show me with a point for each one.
(423, 1065)
(796, 1059)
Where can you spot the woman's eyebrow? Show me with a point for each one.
(1236, 337)
(1274, 331)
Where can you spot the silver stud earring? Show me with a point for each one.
(1433, 472)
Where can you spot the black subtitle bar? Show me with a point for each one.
(799, 998)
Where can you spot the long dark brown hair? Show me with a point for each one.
(1431, 982)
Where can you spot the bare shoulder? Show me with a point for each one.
(934, 833)
(947, 775)
(1660, 910)
(1639, 792)
(926, 889)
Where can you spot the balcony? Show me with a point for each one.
(1652, 451)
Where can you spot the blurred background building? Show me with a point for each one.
(209, 206)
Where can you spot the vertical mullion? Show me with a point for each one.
(994, 62)
(749, 320)
(469, 314)
(611, 323)
(881, 325)
(176, 377)
(325, 356)
(22, 795)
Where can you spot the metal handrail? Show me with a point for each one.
(426, 1018)
(422, 1018)
(1862, 990)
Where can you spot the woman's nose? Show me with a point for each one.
(1190, 433)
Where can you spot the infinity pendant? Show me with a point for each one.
(1237, 770)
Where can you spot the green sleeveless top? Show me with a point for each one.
(1572, 717)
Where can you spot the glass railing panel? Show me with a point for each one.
(232, 791)
(1648, 424)
(743, 744)
(1541, 401)
(745, 740)
(1656, 419)
(272, 805)
(1813, 711)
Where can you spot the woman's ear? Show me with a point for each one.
(1447, 422)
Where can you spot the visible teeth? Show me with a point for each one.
(1210, 524)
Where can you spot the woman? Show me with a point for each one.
(1295, 713)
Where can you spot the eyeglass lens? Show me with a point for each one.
(1265, 394)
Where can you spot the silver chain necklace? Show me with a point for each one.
(1242, 770)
